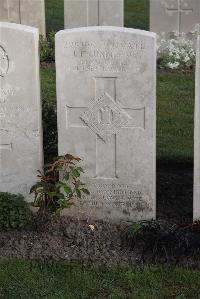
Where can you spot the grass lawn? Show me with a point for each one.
(175, 109)
(28, 280)
(136, 14)
(54, 15)
(48, 76)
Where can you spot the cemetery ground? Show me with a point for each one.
(110, 245)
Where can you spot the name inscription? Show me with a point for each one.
(111, 56)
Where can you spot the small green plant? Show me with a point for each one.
(59, 184)
(14, 211)
(47, 48)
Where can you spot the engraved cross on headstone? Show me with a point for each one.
(7, 147)
(106, 117)
(180, 10)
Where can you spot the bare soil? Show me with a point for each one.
(103, 243)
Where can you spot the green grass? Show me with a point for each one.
(136, 14)
(48, 76)
(54, 15)
(175, 106)
(28, 280)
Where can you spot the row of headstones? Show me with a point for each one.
(165, 15)
(106, 110)
(77, 13)
(25, 12)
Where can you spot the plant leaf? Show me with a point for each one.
(86, 191)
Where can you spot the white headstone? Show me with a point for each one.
(174, 16)
(196, 194)
(26, 12)
(9, 11)
(82, 13)
(20, 108)
(106, 89)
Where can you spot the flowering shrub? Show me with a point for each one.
(177, 52)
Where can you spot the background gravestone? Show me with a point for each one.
(106, 80)
(196, 200)
(9, 11)
(83, 13)
(174, 16)
(20, 108)
(26, 12)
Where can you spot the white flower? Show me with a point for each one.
(177, 51)
(173, 65)
(187, 58)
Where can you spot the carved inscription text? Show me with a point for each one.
(121, 196)
(103, 56)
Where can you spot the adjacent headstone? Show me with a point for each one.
(106, 89)
(82, 13)
(10, 11)
(20, 108)
(196, 193)
(179, 16)
(26, 12)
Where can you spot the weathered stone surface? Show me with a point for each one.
(82, 13)
(106, 115)
(33, 14)
(20, 109)
(9, 11)
(26, 12)
(196, 194)
(174, 15)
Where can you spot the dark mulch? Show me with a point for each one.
(70, 240)
(109, 244)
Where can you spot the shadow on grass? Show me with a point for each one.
(175, 190)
